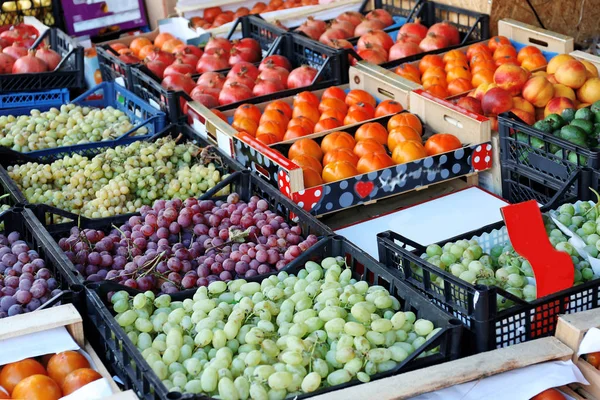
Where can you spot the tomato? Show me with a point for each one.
(401, 134)
(333, 102)
(360, 96)
(367, 146)
(338, 170)
(62, 364)
(429, 61)
(327, 124)
(356, 116)
(306, 97)
(334, 92)
(275, 116)
(388, 107)
(405, 119)
(272, 127)
(441, 143)
(79, 378)
(549, 394)
(13, 373)
(304, 160)
(594, 359)
(340, 155)
(247, 111)
(162, 38)
(305, 147)
(295, 132)
(281, 106)
(337, 140)
(37, 387)
(372, 130)
(306, 110)
(407, 151)
(304, 122)
(496, 42)
(374, 162)
(267, 138)
(311, 177)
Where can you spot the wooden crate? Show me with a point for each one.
(571, 329)
(67, 316)
(452, 373)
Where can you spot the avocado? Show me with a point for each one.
(573, 158)
(584, 113)
(574, 135)
(568, 114)
(555, 120)
(543, 126)
(587, 126)
(597, 117)
(595, 107)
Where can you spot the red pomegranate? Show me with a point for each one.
(373, 54)
(243, 55)
(353, 17)
(15, 51)
(272, 72)
(179, 82)
(403, 49)
(301, 77)
(179, 67)
(368, 25)
(29, 64)
(215, 78)
(189, 49)
(414, 29)
(246, 67)
(6, 63)
(218, 43)
(377, 37)
(157, 68)
(212, 62)
(381, 15)
(234, 92)
(264, 87)
(276, 59)
(49, 56)
(162, 56)
(447, 31)
(433, 42)
(243, 78)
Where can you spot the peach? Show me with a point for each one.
(522, 104)
(496, 101)
(511, 78)
(551, 78)
(481, 89)
(590, 91)
(571, 73)
(471, 104)
(557, 61)
(561, 90)
(557, 105)
(539, 73)
(592, 71)
(528, 118)
(538, 91)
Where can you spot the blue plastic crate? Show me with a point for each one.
(104, 95)
(15, 102)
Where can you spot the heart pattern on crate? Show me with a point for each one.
(363, 189)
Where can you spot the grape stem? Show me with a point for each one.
(235, 236)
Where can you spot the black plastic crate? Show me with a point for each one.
(13, 12)
(7, 197)
(69, 73)
(520, 185)
(535, 152)
(476, 305)
(59, 222)
(125, 358)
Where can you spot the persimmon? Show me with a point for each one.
(482, 76)
(274, 116)
(458, 72)
(506, 60)
(368, 146)
(407, 151)
(62, 364)
(373, 162)
(162, 38)
(456, 63)
(337, 140)
(526, 52)
(549, 394)
(78, 379)
(311, 177)
(435, 71)
(482, 56)
(332, 102)
(327, 124)
(138, 43)
(295, 132)
(483, 64)
(388, 107)
(247, 111)
(405, 119)
(333, 113)
(4, 394)
(441, 143)
(267, 138)
(401, 134)
(427, 83)
(593, 359)
(306, 110)
(506, 50)
(338, 170)
(334, 92)
(438, 91)
(281, 106)
(365, 107)
(305, 147)
(341, 154)
(429, 61)
(458, 86)
(246, 125)
(360, 96)
(406, 70)
(304, 122)
(170, 45)
(305, 160)
(37, 387)
(477, 48)
(272, 127)
(454, 55)
(13, 373)
(497, 41)
(356, 116)
(306, 97)
(372, 130)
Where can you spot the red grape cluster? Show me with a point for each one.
(25, 282)
(176, 245)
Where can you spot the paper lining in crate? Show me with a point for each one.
(56, 330)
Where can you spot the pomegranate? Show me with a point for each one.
(433, 42)
(301, 76)
(276, 59)
(27, 42)
(157, 68)
(373, 54)
(243, 78)
(245, 67)
(264, 87)
(353, 17)
(377, 37)
(218, 43)
(212, 62)
(12, 36)
(382, 16)
(49, 56)
(446, 30)
(239, 55)
(414, 29)
(368, 25)
(346, 26)
(4, 43)
(15, 51)
(212, 77)
(249, 44)
(27, 30)
(402, 38)
(29, 64)
(332, 34)
(310, 31)
(205, 99)
(179, 82)
(316, 23)
(189, 49)
(187, 56)
(274, 73)
(234, 92)
(403, 49)
(179, 67)
(6, 63)
(129, 58)
(162, 56)
(341, 44)
(210, 89)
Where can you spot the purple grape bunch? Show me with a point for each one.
(176, 245)
(25, 282)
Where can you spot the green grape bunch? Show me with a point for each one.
(70, 125)
(285, 336)
(120, 180)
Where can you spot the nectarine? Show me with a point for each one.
(511, 77)
(557, 105)
(590, 91)
(522, 104)
(496, 101)
(556, 62)
(538, 91)
(571, 73)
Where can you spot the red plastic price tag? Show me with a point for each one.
(553, 269)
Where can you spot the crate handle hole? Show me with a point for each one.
(538, 42)
(386, 93)
(453, 121)
(262, 171)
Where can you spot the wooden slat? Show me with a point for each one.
(581, 55)
(533, 36)
(100, 368)
(456, 372)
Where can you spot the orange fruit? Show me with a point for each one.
(13, 373)
(62, 364)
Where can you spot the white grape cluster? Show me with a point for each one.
(285, 336)
(67, 126)
(120, 180)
